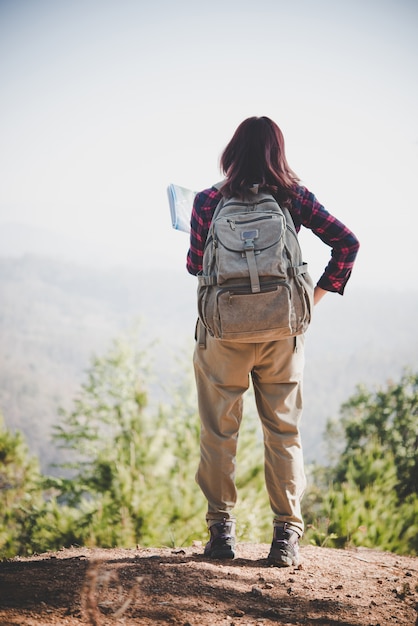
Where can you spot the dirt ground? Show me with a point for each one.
(178, 586)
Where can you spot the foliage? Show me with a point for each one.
(133, 477)
(369, 496)
(127, 470)
(21, 501)
(122, 455)
(133, 480)
(54, 315)
(127, 474)
(390, 418)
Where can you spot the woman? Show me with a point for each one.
(256, 156)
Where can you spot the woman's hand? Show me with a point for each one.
(319, 293)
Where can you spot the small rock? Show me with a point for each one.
(105, 607)
(403, 591)
(257, 592)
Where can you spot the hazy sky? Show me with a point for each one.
(104, 103)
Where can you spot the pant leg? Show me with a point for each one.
(222, 376)
(277, 379)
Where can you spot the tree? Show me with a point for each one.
(21, 502)
(130, 472)
(389, 418)
(370, 492)
(114, 449)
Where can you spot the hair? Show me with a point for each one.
(256, 154)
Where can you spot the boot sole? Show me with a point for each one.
(282, 562)
(282, 559)
(221, 554)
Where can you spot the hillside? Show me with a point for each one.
(177, 586)
(55, 315)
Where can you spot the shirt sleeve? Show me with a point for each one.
(204, 206)
(308, 212)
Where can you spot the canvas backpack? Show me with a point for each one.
(254, 286)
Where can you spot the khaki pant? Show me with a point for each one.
(222, 371)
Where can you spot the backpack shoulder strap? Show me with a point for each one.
(289, 218)
(298, 269)
(220, 204)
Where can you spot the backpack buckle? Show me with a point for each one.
(249, 236)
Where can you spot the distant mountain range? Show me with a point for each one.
(18, 239)
(54, 315)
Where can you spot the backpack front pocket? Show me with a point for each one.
(254, 317)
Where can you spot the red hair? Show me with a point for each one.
(256, 154)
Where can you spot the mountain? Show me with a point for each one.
(55, 315)
(17, 240)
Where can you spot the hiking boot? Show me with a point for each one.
(284, 550)
(221, 544)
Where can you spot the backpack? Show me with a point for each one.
(254, 286)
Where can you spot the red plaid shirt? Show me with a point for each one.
(306, 211)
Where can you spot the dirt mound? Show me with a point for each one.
(177, 586)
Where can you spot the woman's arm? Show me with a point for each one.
(319, 293)
(342, 241)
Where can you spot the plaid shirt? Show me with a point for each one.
(306, 211)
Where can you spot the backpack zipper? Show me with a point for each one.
(232, 223)
(245, 290)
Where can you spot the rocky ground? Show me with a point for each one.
(177, 586)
